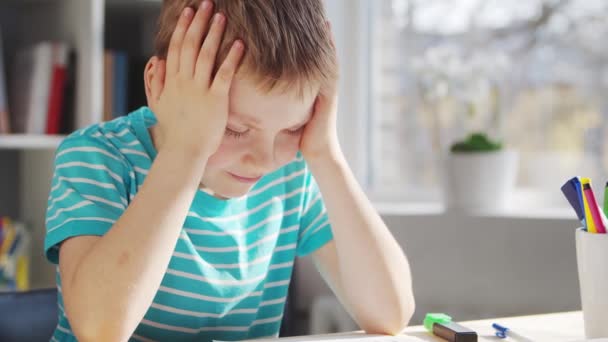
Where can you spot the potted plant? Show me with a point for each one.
(462, 91)
(480, 174)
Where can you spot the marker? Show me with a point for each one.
(572, 192)
(588, 217)
(504, 332)
(441, 325)
(579, 190)
(594, 209)
(606, 199)
(14, 245)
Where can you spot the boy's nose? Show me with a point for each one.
(262, 158)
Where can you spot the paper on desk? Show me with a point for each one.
(354, 339)
(374, 339)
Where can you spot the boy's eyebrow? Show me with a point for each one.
(248, 120)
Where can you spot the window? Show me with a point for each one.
(534, 73)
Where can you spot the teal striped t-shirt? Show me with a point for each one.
(231, 267)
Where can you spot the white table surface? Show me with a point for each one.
(557, 327)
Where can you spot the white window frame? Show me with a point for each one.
(350, 26)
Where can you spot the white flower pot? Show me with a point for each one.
(480, 181)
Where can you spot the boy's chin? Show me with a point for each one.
(232, 194)
(228, 191)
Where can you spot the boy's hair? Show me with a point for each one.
(286, 41)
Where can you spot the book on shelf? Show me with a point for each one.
(123, 87)
(108, 83)
(58, 87)
(136, 87)
(116, 81)
(121, 81)
(4, 116)
(38, 91)
(68, 119)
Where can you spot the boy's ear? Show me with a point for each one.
(153, 80)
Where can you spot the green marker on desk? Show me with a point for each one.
(441, 325)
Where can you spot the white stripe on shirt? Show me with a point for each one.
(74, 207)
(88, 149)
(214, 299)
(91, 166)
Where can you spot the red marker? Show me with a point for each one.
(595, 211)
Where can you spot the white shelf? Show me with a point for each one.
(28, 141)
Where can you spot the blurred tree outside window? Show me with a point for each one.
(533, 73)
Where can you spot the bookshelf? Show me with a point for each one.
(30, 141)
(89, 27)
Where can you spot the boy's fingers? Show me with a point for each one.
(193, 39)
(206, 57)
(225, 74)
(177, 39)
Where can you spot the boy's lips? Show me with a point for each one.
(245, 179)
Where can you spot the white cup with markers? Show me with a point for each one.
(592, 260)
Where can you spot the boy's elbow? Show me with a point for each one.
(406, 312)
(92, 322)
(100, 335)
(403, 320)
(395, 324)
(101, 330)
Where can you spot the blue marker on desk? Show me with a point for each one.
(504, 332)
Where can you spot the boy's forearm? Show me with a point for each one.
(116, 281)
(379, 289)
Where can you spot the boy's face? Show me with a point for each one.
(263, 134)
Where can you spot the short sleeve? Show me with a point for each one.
(88, 191)
(315, 230)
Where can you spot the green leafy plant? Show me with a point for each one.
(476, 142)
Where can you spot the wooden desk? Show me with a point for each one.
(559, 327)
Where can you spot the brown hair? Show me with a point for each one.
(287, 41)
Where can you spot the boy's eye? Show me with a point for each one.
(235, 134)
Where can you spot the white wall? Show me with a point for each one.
(478, 267)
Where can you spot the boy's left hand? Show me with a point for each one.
(320, 136)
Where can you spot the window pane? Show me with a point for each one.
(532, 73)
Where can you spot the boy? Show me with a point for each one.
(181, 221)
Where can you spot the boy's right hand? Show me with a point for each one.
(191, 105)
